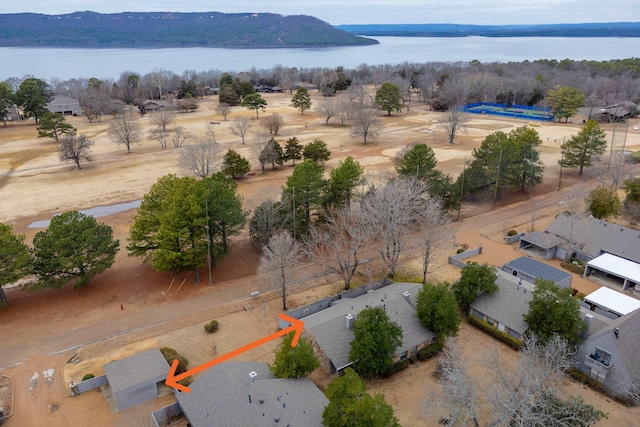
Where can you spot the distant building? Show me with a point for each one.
(64, 105)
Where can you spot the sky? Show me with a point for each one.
(337, 12)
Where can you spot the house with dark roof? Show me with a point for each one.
(611, 354)
(505, 308)
(64, 105)
(330, 329)
(530, 269)
(136, 379)
(233, 394)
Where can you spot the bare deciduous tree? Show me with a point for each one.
(163, 118)
(240, 126)
(359, 93)
(272, 123)
(180, 136)
(224, 110)
(159, 135)
(125, 131)
(458, 402)
(454, 122)
(328, 109)
(392, 212)
(200, 159)
(75, 148)
(268, 219)
(281, 255)
(366, 123)
(433, 233)
(454, 92)
(336, 244)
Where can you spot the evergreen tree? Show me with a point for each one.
(388, 98)
(554, 311)
(474, 280)
(437, 309)
(54, 125)
(351, 406)
(254, 101)
(317, 151)
(579, 149)
(304, 191)
(234, 165)
(294, 362)
(343, 180)
(292, 150)
(603, 203)
(33, 95)
(15, 261)
(74, 247)
(301, 100)
(375, 342)
(564, 101)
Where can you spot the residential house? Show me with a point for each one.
(151, 105)
(529, 269)
(609, 249)
(611, 354)
(247, 394)
(328, 324)
(505, 308)
(136, 379)
(65, 106)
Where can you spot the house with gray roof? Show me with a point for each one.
(136, 379)
(611, 355)
(233, 394)
(330, 329)
(530, 269)
(505, 308)
(64, 105)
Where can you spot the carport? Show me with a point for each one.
(628, 272)
(544, 243)
(611, 301)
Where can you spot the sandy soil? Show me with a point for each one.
(41, 331)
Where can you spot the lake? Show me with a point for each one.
(66, 63)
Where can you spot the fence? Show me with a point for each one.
(515, 111)
(162, 416)
(514, 238)
(86, 385)
(457, 259)
(317, 306)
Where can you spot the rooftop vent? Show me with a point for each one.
(407, 296)
(253, 375)
(616, 332)
(348, 323)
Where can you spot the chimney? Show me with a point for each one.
(253, 375)
(584, 334)
(407, 296)
(349, 322)
(616, 332)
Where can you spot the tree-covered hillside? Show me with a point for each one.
(164, 29)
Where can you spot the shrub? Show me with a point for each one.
(512, 232)
(580, 296)
(87, 377)
(635, 156)
(430, 351)
(512, 342)
(396, 367)
(577, 269)
(211, 327)
(460, 250)
(170, 355)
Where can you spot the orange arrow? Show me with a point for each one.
(296, 326)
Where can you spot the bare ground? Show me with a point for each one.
(36, 329)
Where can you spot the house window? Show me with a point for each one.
(490, 320)
(602, 356)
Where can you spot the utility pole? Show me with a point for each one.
(464, 167)
(293, 198)
(613, 135)
(495, 196)
(206, 204)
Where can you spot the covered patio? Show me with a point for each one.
(627, 272)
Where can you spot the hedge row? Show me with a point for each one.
(430, 351)
(512, 342)
(170, 355)
(577, 269)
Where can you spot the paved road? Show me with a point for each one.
(16, 349)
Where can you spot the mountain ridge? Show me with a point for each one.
(172, 29)
(605, 29)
